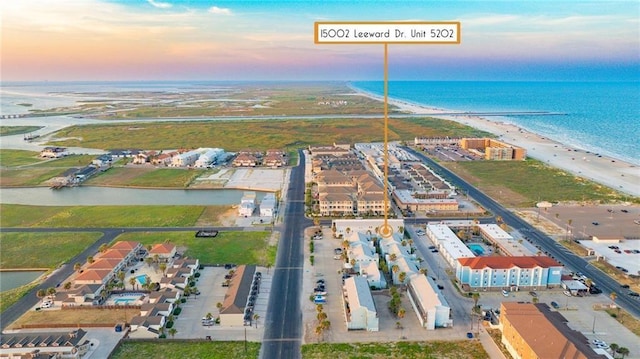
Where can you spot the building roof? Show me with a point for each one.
(104, 263)
(119, 254)
(359, 294)
(94, 274)
(162, 248)
(546, 332)
(427, 296)
(43, 339)
(508, 262)
(236, 297)
(126, 245)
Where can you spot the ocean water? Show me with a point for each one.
(601, 117)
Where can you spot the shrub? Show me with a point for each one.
(177, 311)
(311, 259)
(197, 275)
(169, 325)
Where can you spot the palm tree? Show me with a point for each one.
(395, 268)
(156, 258)
(209, 316)
(393, 257)
(103, 248)
(345, 244)
(90, 259)
(318, 331)
(255, 318)
(194, 290)
(613, 296)
(51, 291)
(624, 351)
(476, 298)
(41, 293)
(149, 261)
(219, 306)
(67, 285)
(132, 281)
(321, 316)
(187, 291)
(403, 243)
(170, 318)
(402, 276)
(535, 300)
(172, 331)
(319, 308)
(162, 267)
(614, 347)
(401, 313)
(423, 271)
(120, 276)
(77, 266)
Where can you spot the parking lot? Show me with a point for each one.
(189, 322)
(611, 220)
(327, 268)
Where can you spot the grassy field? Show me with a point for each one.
(102, 216)
(262, 134)
(42, 250)
(75, 317)
(169, 349)
(227, 247)
(523, 183)
(145, 177)
(417, 350)
(627, 320)
(13, 158)
(27, 177)
(68, 161)
(575, 247)
(16, 130)
(9, 297)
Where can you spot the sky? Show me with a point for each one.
(135, 40)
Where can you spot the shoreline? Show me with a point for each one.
(609, 171)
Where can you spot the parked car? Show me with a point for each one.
(555, 305)
(625, 286)
(634, 294)
(533, 294)
(469, 335)
(567, 293)
(505, 293)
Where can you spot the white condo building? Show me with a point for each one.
(359, 308)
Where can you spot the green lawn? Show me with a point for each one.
(69, 161)
(12, 158)
(227, 247)
(15, 130)
(169, 349)
(42, 250)
(417, 350)
(27, 177)
(9, 297)
(146, 177)
(99, 216)
(523, 183)
(263, 134)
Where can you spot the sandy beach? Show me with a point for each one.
(608, 171)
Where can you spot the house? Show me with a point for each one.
(210, 157)
(428, 303)
(131, 246)
(165, 295)
(534, 331)
(186, 159)
(273, 160)
(102, 160)
(124, 153)
(163, 159)
(65, 178)
(146, 326)
(245, 160)
(360, 253)
(79, 294)
(123, 255)
(86, 172)
(247, 204)
(151, 309)
(176, 282)
(143, 158)
(233, 308)
(164, 251)
(268, 205)
(373, 275)
(53, 152)
(49, 344)
(514, 273)
(359, 308)
(194, 264)
(113, 265)
(94, 276)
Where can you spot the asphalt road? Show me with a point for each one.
(283, 332)
(539, 239)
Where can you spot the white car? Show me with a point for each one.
(505, 293)
(46, 305)
(598, 342)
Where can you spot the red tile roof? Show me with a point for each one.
(93, 274)
(114, 254)
(127, 245)
(162, 248)
(508, 262)
(104, 264)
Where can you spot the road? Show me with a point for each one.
(537, 238)
(283, 324)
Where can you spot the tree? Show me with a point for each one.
(393, 257)
(476, 298)
(156, 258)
(41, 293)
(318, 330)
(120, 276)
(90, 259)
(172, 331)
(149, 261)
(103, 248)
(321, 316)
(209, 316)
(319, 308)
(614, 347)
(132, 281)
(402, 276)
(401, 313)
(613, 296)
(624, 351)
(219, 306)
(67, 285)
(255, 318)
(51, 291)
(195, 291)
(77, 266)
(187, 291)
(395, 268)
(423, 271)
(535, 300)
(345, 244)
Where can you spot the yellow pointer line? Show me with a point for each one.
(386, 136)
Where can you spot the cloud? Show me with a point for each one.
(219, 11)
(160, 5)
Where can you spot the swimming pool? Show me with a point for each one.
(476, 248)
(142, 279)
(126, 298)
(124, 301)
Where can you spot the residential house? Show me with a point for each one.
(165, 295)
(164, 251)
(65, 178)
(268, 205)
(50, 344)
(163, 159)
(186, 159)
(245, 160)
(94, 276)
(146, 326)
(53, 152)
(359, 308)
(428, 303)
(102, 160)
(152, 309)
